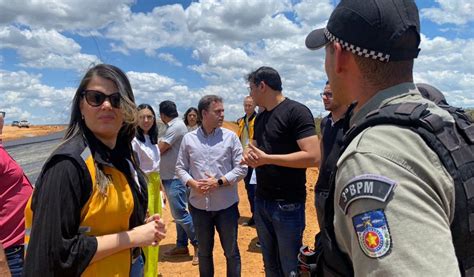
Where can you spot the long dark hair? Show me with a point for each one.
(153, 132)
(127, 104)
(185, 117)
(77, 126)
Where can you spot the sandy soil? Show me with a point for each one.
(13, 132)
(252, 263)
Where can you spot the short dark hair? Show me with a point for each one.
(168, 108)
(206, 101)
(153, 132)
(268, 75)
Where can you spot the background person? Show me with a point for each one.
(192, 119)
(284, 145)
(245, 134)
(15, 190)
(90, 199)
(209, 163)
(370, 49)
(145, 145)
(176, 192)
(332, 129)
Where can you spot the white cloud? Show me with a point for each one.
(42, 48)
(23, 93)
(239, 21)
(227, 39)
(446, 64)
(450, 11)
(169, 58)
(164, 26)
(70, 15)
(153, 88)
(313, 12)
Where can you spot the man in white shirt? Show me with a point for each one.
(209, 163)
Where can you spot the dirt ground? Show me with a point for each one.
(252, 263)
(13, 132)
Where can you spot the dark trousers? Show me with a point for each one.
(251, 188)
(225, 221)
(280, 226)
(15, 257)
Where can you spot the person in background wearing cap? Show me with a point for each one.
(284, 145)
(400, 223)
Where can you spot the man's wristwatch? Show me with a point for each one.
(220, 182)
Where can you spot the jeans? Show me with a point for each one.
(15, 257)
(177, 194)
(225, 221)
(280, 226)
(251, 188)
(138, 266)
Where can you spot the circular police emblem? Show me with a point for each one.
(373, 233)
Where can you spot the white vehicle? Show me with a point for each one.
(24, 123)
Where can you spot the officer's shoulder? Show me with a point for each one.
(384, 139)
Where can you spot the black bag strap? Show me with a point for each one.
(454, 145)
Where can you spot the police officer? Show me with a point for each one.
(393, 199)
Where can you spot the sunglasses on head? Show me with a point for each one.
(96, 98)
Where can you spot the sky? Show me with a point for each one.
(183, 50)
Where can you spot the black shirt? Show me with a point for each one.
(56, 247)
(332, 137)
(277, 132)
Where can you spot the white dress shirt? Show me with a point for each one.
(218, 154)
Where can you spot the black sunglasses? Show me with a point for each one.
(96, 98)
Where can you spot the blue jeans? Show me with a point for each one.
(15, 257)
(225, 221)
(177, 195)
(280, 226)
(138, 266)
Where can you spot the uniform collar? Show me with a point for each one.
(383, 98)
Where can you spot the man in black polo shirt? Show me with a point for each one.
(283, 147)
(332, 129)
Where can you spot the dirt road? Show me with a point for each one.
(252, 263)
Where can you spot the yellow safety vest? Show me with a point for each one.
(101, 216)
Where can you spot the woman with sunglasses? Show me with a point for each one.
(89, 204)
(191, 119)
(145, 145)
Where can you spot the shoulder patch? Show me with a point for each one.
(365, 186)
(373, 233)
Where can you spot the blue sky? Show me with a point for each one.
(182, 50)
